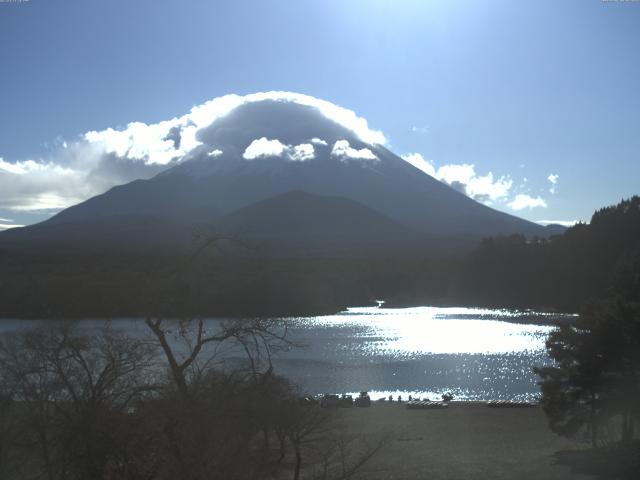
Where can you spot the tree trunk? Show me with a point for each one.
(281, 441)
(594, 422)
(627, 426)
(177, 371)
(296, 473)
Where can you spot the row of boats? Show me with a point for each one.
(364, 400)
(333, 401)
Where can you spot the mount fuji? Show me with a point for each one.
(282, 171)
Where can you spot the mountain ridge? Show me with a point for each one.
(264, 149)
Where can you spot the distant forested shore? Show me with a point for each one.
(556, 274)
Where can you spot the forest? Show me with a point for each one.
(560, 273)
(555, 274)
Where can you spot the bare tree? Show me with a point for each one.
(198, 437)
(71, 395)
(190, 346)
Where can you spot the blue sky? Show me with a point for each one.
(523, 90)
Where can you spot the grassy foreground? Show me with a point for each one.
(465, 441)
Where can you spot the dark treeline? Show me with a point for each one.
(559, 273)
(592, 390)
(99, 285)
(586, 262)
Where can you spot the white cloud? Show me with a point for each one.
(463, 178)
(14, 168)
(553, 178)
(137, 141)
(485, 189)
(70, 176)
(99, 160)
(462, 173)
(214, 153)
(564, 223)
(522, 201)
(7, 226)
(29, 166)
(302, 152)
(342, 116)
(420, 163)
(156, 143)
(264, 147)
(342, 149)
(482, 188)
(45, 201)
(30, 185)
(7, 223)
(421, 129)
(162, 142)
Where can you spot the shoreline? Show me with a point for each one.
(541, 314)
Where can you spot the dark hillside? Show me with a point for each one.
(562, 272)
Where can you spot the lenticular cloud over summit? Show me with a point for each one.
(234, 153)
(257, 129)
(102, 159)
(156, 143)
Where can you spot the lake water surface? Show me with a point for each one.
(476, 354)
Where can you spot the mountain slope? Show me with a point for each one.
(217, 178)
(297, 222)
(123, 233)
(339, 221)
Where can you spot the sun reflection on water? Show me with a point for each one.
(476, 354)
(422, 330)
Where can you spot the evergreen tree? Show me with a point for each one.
(596, 379)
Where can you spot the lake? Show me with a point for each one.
(475, 354)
